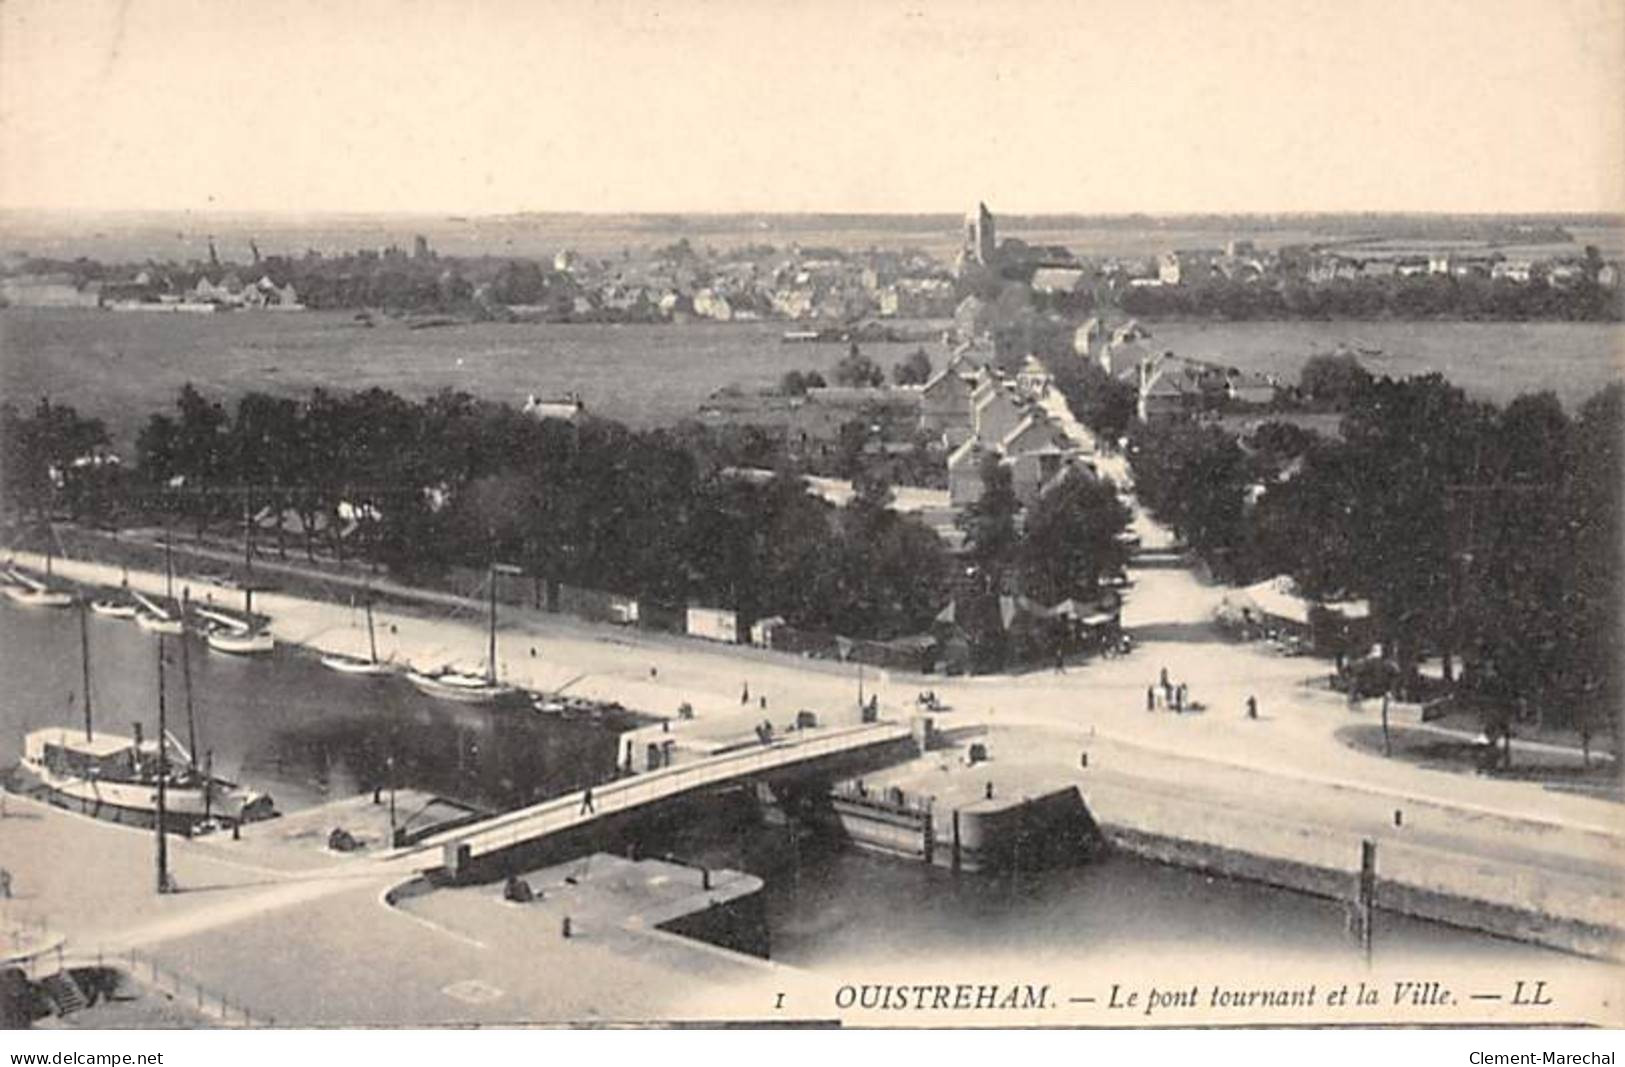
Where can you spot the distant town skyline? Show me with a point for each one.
(723, 107)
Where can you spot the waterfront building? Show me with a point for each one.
(568, 407)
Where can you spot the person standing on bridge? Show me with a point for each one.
(586, 802)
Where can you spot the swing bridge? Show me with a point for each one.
(817, 753)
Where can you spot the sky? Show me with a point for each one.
(1091, 106)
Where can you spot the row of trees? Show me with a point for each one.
(452, 480)
(455, 480)
(1489, 536)
(858, 371)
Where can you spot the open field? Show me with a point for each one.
(1492, 360)
(123, 367)
(136, 237)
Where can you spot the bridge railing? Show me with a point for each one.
(561, 813)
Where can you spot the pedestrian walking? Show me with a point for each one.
(990, 790)
(744, 695)
(1162, 679)
(1060, 662)
(764, 703)
(586, 801)
(1252, 707)
(1181, 691)
(1150, 698)
(5, 884)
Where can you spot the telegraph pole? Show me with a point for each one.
(163, 775)
(186, 675)
(84, 660)
(169, 565)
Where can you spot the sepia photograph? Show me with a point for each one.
(914, 514)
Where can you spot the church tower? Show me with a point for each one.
(980, 242)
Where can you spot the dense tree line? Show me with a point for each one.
(1423, 296)
(455, 480)
(1104, 404)
(1487, 536)
(420, 487)
(392, 281)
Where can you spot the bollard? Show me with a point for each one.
(1366, 895)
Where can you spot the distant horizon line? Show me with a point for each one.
(1617, 214)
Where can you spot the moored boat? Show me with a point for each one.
(113, 777)
(240, 642)
(465, 688)
(115, 609)
(30, 592)
(154, 618)
(153, 783)
(38, 598)
(461, 687)
(157, 624)
(369, 667)
(358, 665)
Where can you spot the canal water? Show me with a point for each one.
(288, 725)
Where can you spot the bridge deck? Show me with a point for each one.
(567, 812)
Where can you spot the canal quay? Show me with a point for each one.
(749, 867)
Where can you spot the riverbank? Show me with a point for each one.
(1196, 789)
(276, 929)
(1010, 799)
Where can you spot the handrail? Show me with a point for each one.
(573, 809)
(140, 967)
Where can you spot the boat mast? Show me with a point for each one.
(186, 673)
(163, 775)
(169, 567)
(491, 654)
(84, 660)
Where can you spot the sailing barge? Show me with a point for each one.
(113, 777)
(150, 783)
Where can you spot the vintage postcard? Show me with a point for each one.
(886, 515)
